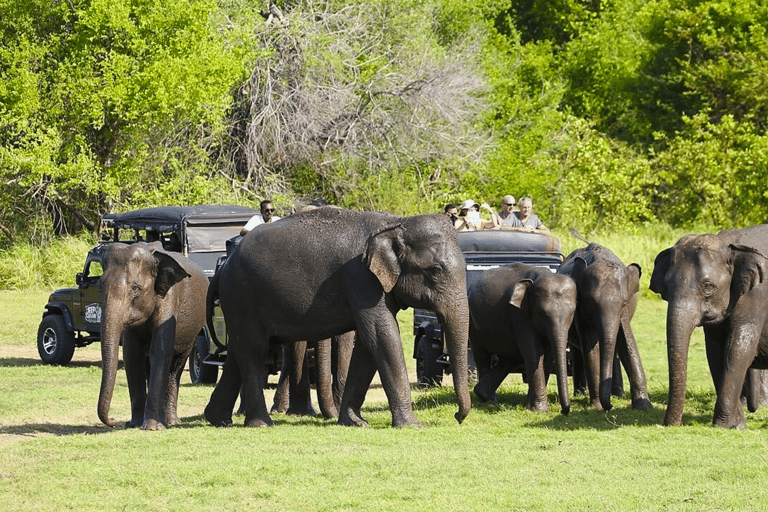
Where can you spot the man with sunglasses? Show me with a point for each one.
(266, 216)
(506, 217)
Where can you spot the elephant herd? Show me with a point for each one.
(338, 278)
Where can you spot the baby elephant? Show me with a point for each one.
(523, 312)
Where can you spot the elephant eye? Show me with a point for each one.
(435, 271)
(135, 288)
(708, 288)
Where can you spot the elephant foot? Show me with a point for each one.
(301, 411)
(617, 391)
(537, 406)
(735, 420)
(217, 419)
(134, 423)
(258, 422)
(642, 404)
(580, 391)
(278, 408)
(350, 418)
(405, 420)
(484, 395)
(152, 425)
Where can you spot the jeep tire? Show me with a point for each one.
(199, 372)
(55, 344)
(428, 371)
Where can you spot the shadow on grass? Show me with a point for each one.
(698, 410)
(32, 430)
(10, 362)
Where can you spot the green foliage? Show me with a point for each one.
(714, 172)
(24, 266)
(109, 98)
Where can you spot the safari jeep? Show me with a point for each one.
(482, 250)
(72, 316)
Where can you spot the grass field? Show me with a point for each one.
(55, 455)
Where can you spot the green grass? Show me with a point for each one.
(55, 455)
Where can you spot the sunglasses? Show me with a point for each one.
(509, 204)
(269, 210)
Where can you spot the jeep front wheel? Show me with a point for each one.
(55, 344)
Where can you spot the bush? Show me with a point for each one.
(26, 266)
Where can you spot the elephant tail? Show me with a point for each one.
(210, 303)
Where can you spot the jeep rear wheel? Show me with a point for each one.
(428, 371)
(55, 344)
(199, 372)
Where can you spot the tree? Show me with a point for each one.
(109, 103)
(350, 99)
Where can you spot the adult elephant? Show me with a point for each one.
(155, 302)
(332, 358)
(328, 271)
(607, 298)
(716, 281)
(523, 312)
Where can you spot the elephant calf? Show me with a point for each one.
(520, 311)
(607, 298)
(155, 301)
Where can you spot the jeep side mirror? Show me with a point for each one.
(79, 279)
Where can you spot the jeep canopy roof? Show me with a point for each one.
(170, 218)
(202, 230)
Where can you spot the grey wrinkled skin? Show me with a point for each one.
(717, 282)
(329, 271)
(155, 301)
(607, 299)
(521, 312)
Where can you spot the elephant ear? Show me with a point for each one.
(634, 271)
(750, 268)
(660, 268)
(169, 272)
(518, 292)
(579, 267)
(382, 255)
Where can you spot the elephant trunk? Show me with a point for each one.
(561, 366)
(680, 325)
(110, 346)
(325, 380)
(609, 332)
(455, 324)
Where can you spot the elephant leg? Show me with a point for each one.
(382, 339)
(160, 356)
(172, 396)
(617, 379)
(489, 382)
(134, 357)
(218, 412)
(741, 351)
(626, 348)
(361, 372)
(299, 396)
(590, 350)
(579, 372)
(281, 399)
(341, 353)
(752, 387)
(537, 377)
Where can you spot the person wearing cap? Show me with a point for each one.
(506, 218)
(469, 217)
